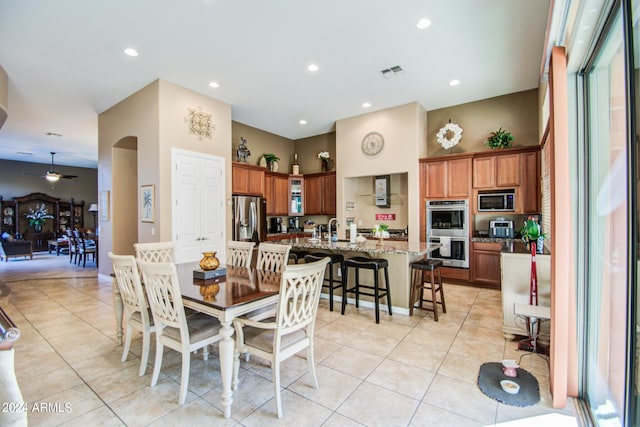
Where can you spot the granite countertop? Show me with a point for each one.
(370, 246)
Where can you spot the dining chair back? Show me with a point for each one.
(155, 252)
(84, 248)
(272, 256)
(73, 247)
(292, 329)
(136, 311)
(240, 253)
(173, 328)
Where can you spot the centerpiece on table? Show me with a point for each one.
(380, 231)
(38, 216)
(324, 157)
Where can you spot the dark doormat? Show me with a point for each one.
(489, 383)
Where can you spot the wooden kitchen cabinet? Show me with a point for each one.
(247, 179)
(447, 179)
(276, 193)
(528, 195)
(496, 171)
(320, 194)
(485, 263)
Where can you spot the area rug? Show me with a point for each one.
(489, 383)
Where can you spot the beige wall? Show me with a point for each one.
(21, 178)
(155, 115)
(403, 129)
(308, 149)
(515, 112)
(261, 142)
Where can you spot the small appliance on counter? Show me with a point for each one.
(275, 224)
(294, 225)
(501, 227)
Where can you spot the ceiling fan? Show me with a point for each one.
(53, 176)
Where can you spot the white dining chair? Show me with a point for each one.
(240, 253)
(136, 312)
(272, 256)
(155, 252)
(174, 328)
(292, 329)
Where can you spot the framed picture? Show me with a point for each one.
(147, 203)
(382, 191)
(104, 205)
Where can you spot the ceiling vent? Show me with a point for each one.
(396, 70)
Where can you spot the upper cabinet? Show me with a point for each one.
(320, 194)
(447, 179)
(496, 171)
(247, 179)
(530, 191)
(276, 191)
(296, 195)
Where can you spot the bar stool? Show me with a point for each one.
(296, 256)
(418, 285)
(335, 259)
(374, 264)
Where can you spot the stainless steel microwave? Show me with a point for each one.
(503, 201)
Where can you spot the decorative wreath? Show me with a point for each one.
(449, 135)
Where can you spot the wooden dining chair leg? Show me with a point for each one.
(434, 298)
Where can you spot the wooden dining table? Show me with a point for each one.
(241, 291)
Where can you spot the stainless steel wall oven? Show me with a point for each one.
(448, 224)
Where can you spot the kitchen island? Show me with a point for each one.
(399, 254)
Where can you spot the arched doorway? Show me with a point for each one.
(125, 195)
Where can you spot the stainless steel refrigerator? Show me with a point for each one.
(249, 218)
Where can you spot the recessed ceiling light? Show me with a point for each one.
(312, 67)
(131, 51)
(366, 105)
(303, 122)
(214, 84)
(423, 23)
(454, 82)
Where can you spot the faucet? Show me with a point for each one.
(329, 227)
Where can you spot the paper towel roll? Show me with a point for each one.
(445, 249)
(353, 232)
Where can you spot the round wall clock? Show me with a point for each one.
(372, 143)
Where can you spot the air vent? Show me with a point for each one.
(396, 70)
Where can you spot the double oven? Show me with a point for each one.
(448, 224)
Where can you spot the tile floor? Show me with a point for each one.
(406, 371)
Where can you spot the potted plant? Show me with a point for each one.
(37, 217)
(272, 161)
(530, 233)
(499, 139)
(324, 157)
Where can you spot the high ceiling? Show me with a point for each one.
(66, 64)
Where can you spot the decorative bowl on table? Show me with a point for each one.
(509, 386)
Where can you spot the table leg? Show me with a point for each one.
(226, 347)
(118, 308)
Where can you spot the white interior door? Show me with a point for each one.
(198, 215)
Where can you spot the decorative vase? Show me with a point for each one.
(325, 165)
(273, 166)
(37, 228)
(209, 261)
